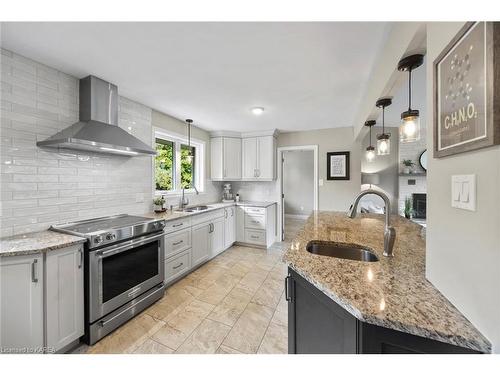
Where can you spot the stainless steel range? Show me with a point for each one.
(124, 269)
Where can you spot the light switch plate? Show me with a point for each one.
(320, 182)
(463, 191)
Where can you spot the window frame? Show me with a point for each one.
(199, 162)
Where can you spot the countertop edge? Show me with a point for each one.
(43, 249)
(456, 340)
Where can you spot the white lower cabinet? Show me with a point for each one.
(177, 265)
(21, 307)
(200, 239)
(256, 226)
(64, 296)
(229, 226)
(217, 237)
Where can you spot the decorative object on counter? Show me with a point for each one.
(159, 204)
(422, 160)
(227, 196)
(408, 166)
(337, 165)
(466, 82)
(370, 150)
(384, 139)
(409, 130)
(408, 207)
(237, 198)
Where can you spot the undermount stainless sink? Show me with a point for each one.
(341, 250)
(194, 209)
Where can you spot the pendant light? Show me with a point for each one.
(190, 153)
(370, 150)
(409, 130)
(383, 140)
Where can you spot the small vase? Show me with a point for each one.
(406, 170)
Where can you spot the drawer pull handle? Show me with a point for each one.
(178, 225)
(254, 237)
(178, 243)
(179, 265)
(34, 277)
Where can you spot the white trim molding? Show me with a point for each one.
(279, 159)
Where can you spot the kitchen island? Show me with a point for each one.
(347, 306)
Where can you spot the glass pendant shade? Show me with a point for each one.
(383, 144)
(370, 153)
(409, 130)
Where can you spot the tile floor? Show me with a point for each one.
(234, 303)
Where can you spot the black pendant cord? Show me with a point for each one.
(383, 120)
(370, 136)
(409, 90)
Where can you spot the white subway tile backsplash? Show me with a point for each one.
(41, 187)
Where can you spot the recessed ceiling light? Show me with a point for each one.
(257, 111)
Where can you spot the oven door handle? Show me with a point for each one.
(128, 246)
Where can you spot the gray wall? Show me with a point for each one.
(386, 166)
(333, 195)
(463, 247)
(41, 187)
(298, 182)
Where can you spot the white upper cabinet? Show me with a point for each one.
(246, 156)
(21, 308)
(225, 156)
(266, 151)
(249, 151)
(64, 293)
(259, 158)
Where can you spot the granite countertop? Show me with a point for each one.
(39, 242)
(392, 292)
(172, 215)
(36, 242)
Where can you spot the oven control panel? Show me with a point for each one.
(105, 238)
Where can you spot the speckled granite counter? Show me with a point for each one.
(391, 293)
(36, 242)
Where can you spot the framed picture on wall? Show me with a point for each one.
(337, 165)
(467, 91)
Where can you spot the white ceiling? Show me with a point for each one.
(306, 75)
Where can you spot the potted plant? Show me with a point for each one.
(408, 166)
(408, 209)
(158, 203)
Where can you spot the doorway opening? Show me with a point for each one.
(298, 182)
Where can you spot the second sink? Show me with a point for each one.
(341, 250)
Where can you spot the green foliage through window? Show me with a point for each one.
(164, 165)
(187, 167)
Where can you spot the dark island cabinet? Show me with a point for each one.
(318, 325)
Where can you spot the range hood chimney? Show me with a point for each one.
(98, 129)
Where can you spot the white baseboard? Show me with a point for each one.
(290, 216)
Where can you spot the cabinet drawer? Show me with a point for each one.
(257, 237)
(177, 242)
(207, 216)
(255, 210)
(254, 221)
(177, 265)
(175, 225)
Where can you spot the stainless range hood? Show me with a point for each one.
(98, 129)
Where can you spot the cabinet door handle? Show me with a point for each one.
(287, 296)
(178, 243)
(178, 225)
(179, 265)
(34, 277)
(81, 258)
(225, 214)
(232, 212)
(258, 172)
